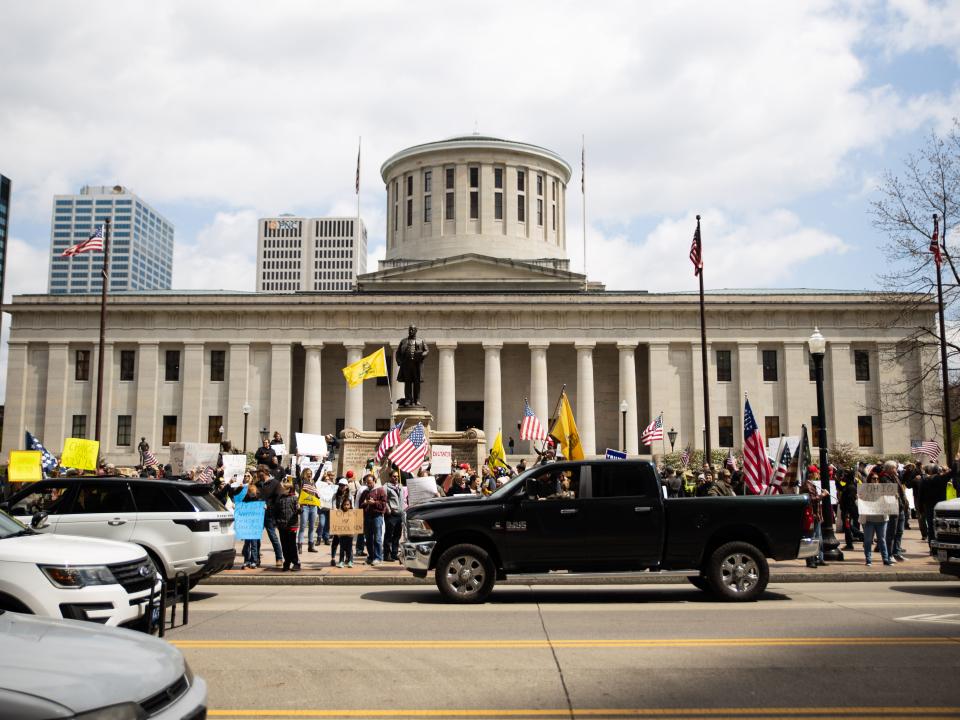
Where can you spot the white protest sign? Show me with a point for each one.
(421, 489)
(234, 466)
(326, 491)
(877, 499)
(313, 467)
(308, 444)
(280, 449)
(191, 456)
(441, 459)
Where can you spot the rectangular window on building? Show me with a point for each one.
(124, 430)
(474, 193)
(172, 369)
(427, 181)
(770, 365)
(861, 362)
(498, 206)
(724, 369)
(865, 430)
(521, 180)
(128, 359)
(539, 184)
(409, 185)
(498, 178)
(427, 208)
(725, 431)
(474, 177)
(449, 178)
(218, 365)
(82, 369)
(771, 426)
(448, 207)
(814, 431)
(540, 212)
(169, 429)
(78, 428)
(214, 423)
(409, 212)
(521, 209)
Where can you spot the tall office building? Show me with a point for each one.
(141, 244)
(310, 254)
(4, 230)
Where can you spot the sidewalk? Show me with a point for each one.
(918, 567)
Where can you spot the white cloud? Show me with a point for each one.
(223, 256)
(919, 24)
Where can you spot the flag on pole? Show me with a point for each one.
(696, 251)
(685, 456)
(653, 431)
(149, 459)
(530, 427)
(565, 431)
(94, 243)
(389, 440)
(371, 366)
(583, 168)
(498, 457)
(797, 471)
(358, 168)
(47, 459)
(780, 474)
(408, 455)
(935, 241)
(930, 448)
(756, 464)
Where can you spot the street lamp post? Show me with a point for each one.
(623, 423)
(246, 416)
(831, 546)
(672, 436)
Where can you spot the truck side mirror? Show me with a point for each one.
(39, 521)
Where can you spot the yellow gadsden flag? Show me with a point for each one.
(565, 431)
(498, 457)
(373, 365)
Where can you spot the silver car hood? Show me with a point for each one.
(82, 665)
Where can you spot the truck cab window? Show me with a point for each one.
(554, 484)
(611, 480)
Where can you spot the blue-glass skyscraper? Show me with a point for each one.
(141, 244)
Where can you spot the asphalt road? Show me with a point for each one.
(847, 650)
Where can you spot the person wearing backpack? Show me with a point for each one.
(393, 518)
(286, 516)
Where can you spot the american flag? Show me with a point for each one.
(149, 459)
(653, 432)
(309, 487)
(756, 464)
(930, 448)
(696, 251)
(781, 473)
(409, 454)
(530, 427)
(47, 459)
(94, 242)
(389, 440)
(358, 167)
(935, 241)
(685, 456)
(206, 476)
(731, 460)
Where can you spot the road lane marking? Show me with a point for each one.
(536, 644)
(928, 713)
(948, 619)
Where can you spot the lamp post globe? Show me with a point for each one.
(672, 436)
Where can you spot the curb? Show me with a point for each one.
(367, 580)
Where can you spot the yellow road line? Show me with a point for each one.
(538, 644)
(816, 712)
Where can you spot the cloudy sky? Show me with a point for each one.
(773, 121)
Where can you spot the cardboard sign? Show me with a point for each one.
(877, 499)
(248, 517)
(185, 457)
(441, 459)
(308, 499)
(308, 444)
(421, 489)
(346, 523)
(80, 454)
(327, 492)
(234, 466)
(24, 466)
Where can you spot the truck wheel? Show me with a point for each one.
(738, 572)
(700, 583)
(465, 574)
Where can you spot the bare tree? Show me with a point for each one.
(928, 185)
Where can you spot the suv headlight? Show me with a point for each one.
(418, 528)
(123, 711)
(78, 576)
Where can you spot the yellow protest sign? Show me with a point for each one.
(24, 466)
(80, 454)
(308, 499)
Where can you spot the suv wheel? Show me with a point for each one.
(465, 574)
(738, 572)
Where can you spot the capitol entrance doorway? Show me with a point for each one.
(469, 414)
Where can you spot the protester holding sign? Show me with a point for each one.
(248, 514)
(286, 514)
(873, 502)
(344, 541)
(343, 494)
(309, 506)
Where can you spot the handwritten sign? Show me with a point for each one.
(421, 489)
(234, 466)
(441, 459)
(349, 522)
(24, 466)
(280, 449)
(327, 492)
(308, 444)
(79, 453)
(877, 499)
(248, 517)
(185, 457)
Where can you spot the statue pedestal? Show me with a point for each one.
(411, 416)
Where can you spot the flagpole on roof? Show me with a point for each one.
(947, 434)
(103, 323)
(698, 265)
(583, 193)
(356, 242)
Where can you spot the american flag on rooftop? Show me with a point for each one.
(935, 242)
(696, 251)
(530, 427)
(409, 454)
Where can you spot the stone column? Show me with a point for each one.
(238, 369)
(396, 387)
(538, 383)
(838, 369)
(447, 387)
(192, 427)
(585, 405)
(749, 374)
(281, 389)
(893, 434)
(14, 417)
(628, 392)
(660, 386)
(312, 381)
(54, 416)
(353, 409)
(108, 438)
(492, 412)
(799, 398)
(148, 379)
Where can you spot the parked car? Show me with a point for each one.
(604, 516)
(65, 669)
(946, 536)
(106, 582)
(183, 527)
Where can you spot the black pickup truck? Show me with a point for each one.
(603, 516)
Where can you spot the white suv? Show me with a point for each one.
(181, 525)
(103, 581)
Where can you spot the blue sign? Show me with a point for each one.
(615, 455)
(248, 517)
